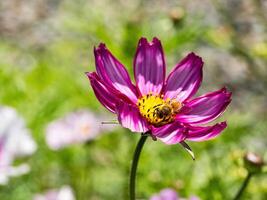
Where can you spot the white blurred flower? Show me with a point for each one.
(10, 171)
(64, 193)
(15, 141)
(76, 127)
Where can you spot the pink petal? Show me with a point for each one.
(205, 108)
(185, 79)
(149, 66)
(113, 73)
(170, 133)
(205, 133)
(105, 94)
(129, 117)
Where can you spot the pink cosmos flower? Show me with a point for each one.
(160, 106)
(74, 128)
(170, 194)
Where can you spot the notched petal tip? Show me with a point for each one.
(90, 75)
(144, 42)
(102, 46)
(93, 76)
(219, 127)
(192, 59)
(222, 125)
(156, 41)
(100, 49)
(193, 54)
(196, 58)
(226, 92)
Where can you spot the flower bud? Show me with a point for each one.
(253, 162)
(177, 15)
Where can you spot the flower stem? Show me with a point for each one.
(243, 186)
(137, 153)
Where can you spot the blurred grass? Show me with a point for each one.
(44, 82)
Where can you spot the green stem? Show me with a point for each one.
(137, 153)
(243, 186)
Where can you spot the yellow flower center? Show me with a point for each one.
(158, 111)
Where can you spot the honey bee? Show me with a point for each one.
(165, 112)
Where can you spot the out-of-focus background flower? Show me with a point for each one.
(170, 194)
(47, 45)
(64, 193)
(15, 141)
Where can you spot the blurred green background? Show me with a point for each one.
(47, 45)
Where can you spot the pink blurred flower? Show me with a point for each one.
(15, 141)
(158, 105)
(166, 194)
(64, 193)
(170, 194)
(76, 127)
